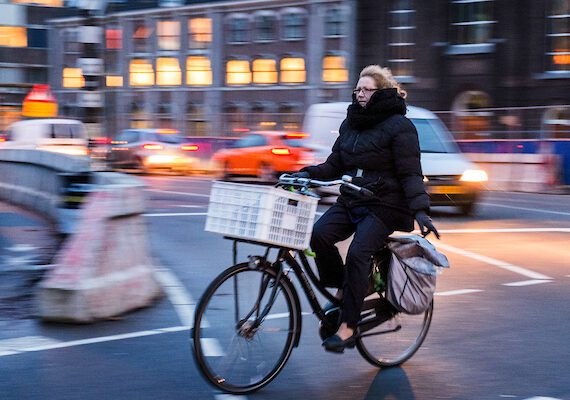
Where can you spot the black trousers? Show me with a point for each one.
(370, 234)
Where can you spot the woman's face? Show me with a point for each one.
(365, 88)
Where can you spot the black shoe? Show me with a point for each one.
(385, 311)
(336, 345)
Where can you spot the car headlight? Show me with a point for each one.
(474, 175)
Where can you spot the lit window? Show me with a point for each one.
(114, 81)
(472, 21)
(401, 35)
(199, 33)
(168, 35)
(13, 36)
(168, 72)
(73, 78)
(141, 73)
(238, 72)
(293, 70)
(198, 71)
(114, 38)
(293, 25)
(334, 22)
(558, 55)
(50, 3)
(264, 71)
(334, 69)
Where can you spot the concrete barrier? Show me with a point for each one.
(104, 269)
(519, 172)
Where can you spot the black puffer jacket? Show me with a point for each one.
(383, 143)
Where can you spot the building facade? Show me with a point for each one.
(471, 57)
(214, 68)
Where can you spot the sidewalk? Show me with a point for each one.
(28, 244)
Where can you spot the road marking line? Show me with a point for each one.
(457, 292)
(492, 261)
(225, 396)
(526, 209)
(173, 214)
(183, 303)
(26, 343)
(211, 347)
(527, 283)
(179, 193)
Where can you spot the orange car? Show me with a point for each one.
(265, 155)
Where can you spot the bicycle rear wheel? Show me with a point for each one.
(231, 352)
(395, 341)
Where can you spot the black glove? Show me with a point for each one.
(425, 224)
(301, 174)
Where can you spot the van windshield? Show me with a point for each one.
(434, 137)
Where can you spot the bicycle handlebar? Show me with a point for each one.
(346, 180)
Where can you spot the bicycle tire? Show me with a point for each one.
(229, 368)
(396, 346)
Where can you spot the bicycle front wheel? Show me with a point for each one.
(396, 340)
(232, 352)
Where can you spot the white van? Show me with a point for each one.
(451, 179)
(59, 135)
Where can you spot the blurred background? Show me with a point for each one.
(497, 73)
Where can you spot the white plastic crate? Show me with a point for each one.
(261, 213)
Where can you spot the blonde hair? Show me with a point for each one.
(383, 78)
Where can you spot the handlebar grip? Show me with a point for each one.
(366, 192)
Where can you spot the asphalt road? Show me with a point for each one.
(500, 327)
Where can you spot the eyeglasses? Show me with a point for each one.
(366, 91)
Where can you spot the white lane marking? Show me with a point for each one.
(179, 193)
(527, 283)
(542, 398)
(211, 347)
(457, 292)
(492, 261)
(505, 230)
(174, 214)
(526, 209)
(284, 315)
(26, 343)
(177, 294)
(225, 396)
(51, 344)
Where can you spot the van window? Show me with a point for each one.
(64, 131)
(434, 137)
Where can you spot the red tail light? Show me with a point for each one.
(2, 139)
(150, 146)
(190, 147)
(296, 135)
(281, 151)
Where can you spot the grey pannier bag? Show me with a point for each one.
(412, 273)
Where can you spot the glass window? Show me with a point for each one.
(334, 69)
(168, 72)
(265, 27)
(293, 25)
(335, 22)
(141, 37)
(198, 71)
(251, 141)
(72, 78)
(401, 35)
(239, 30)
(13, 36)
(238, 72)
(114, 81)
(168, 35)
(293, 70)
(472, 21)
(114, 38)
(197, 120)
(141, 73)
(558, 36)
(291, 117)
(37, 38)
(36, 75)
(264, 71)
(235, 118)
(199, 33)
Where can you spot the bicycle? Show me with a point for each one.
(249, 319)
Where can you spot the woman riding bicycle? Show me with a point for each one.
(379, 147)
